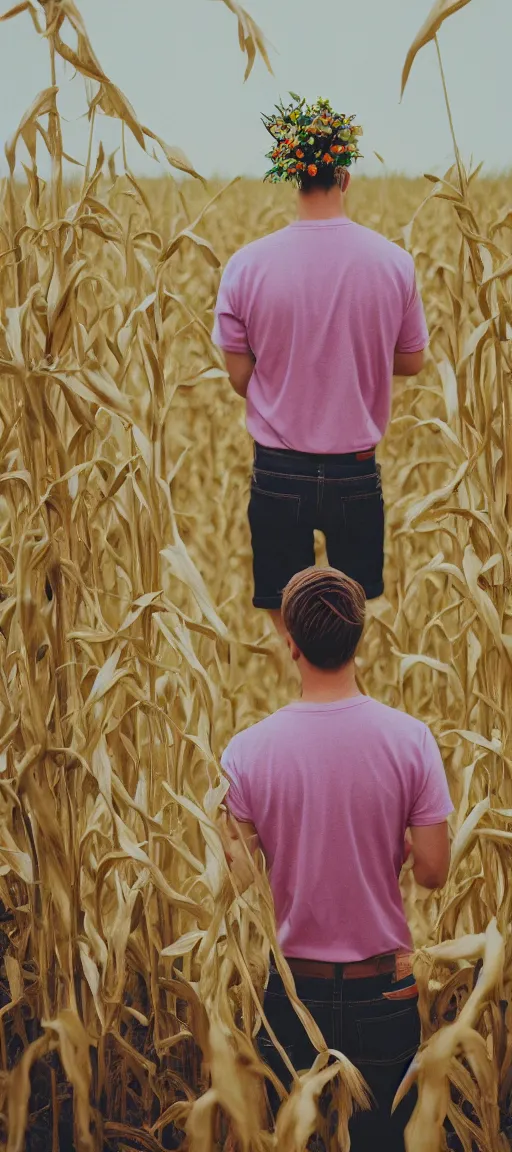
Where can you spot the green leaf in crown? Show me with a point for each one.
(309, 137)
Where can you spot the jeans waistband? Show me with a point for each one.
(367, 988)
(313, 458)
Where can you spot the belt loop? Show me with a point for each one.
(338, 1006)
(320, 488)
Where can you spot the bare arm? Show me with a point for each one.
(431, 854)
(240, 366)
(408, 363)
(237, 836)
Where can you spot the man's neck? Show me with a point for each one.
(321, 205)
(325, 687)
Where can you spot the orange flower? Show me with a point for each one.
(312, 170)
(327, 159)
(299, 153)
(301, 166)
(292, 170)
(336, 148)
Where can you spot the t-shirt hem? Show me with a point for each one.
(417, 347)
(244, 817)
(427, 821)
(313, 952)
(267, 440)
(232, 347)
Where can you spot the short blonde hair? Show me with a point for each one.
(324, 613)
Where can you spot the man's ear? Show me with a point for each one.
(346, 180)
(294, 651)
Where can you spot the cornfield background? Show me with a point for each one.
(131, 973)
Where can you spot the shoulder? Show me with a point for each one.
(394, 721)
(255, 251)
(384, 249)
(247, 744)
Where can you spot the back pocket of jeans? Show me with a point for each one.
(390, 1039)
(273, 508)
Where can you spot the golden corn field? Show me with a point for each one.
(131, 974)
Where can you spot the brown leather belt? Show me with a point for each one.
(357, 970)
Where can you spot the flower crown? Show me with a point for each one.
(309, 137)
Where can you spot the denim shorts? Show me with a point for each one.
(294, 493)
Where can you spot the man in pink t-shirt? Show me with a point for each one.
(314, 320)
(328, 788)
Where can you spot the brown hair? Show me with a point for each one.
(324, 179)
(324, 612)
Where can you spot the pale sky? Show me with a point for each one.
(179, 64)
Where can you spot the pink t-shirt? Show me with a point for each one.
(322, 305)
(331, 790)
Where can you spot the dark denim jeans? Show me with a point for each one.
(292, 494)
(379, 1036)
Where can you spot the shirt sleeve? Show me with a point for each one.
(229, 331)
(432, 802)
(413, 335)
(236, 797)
